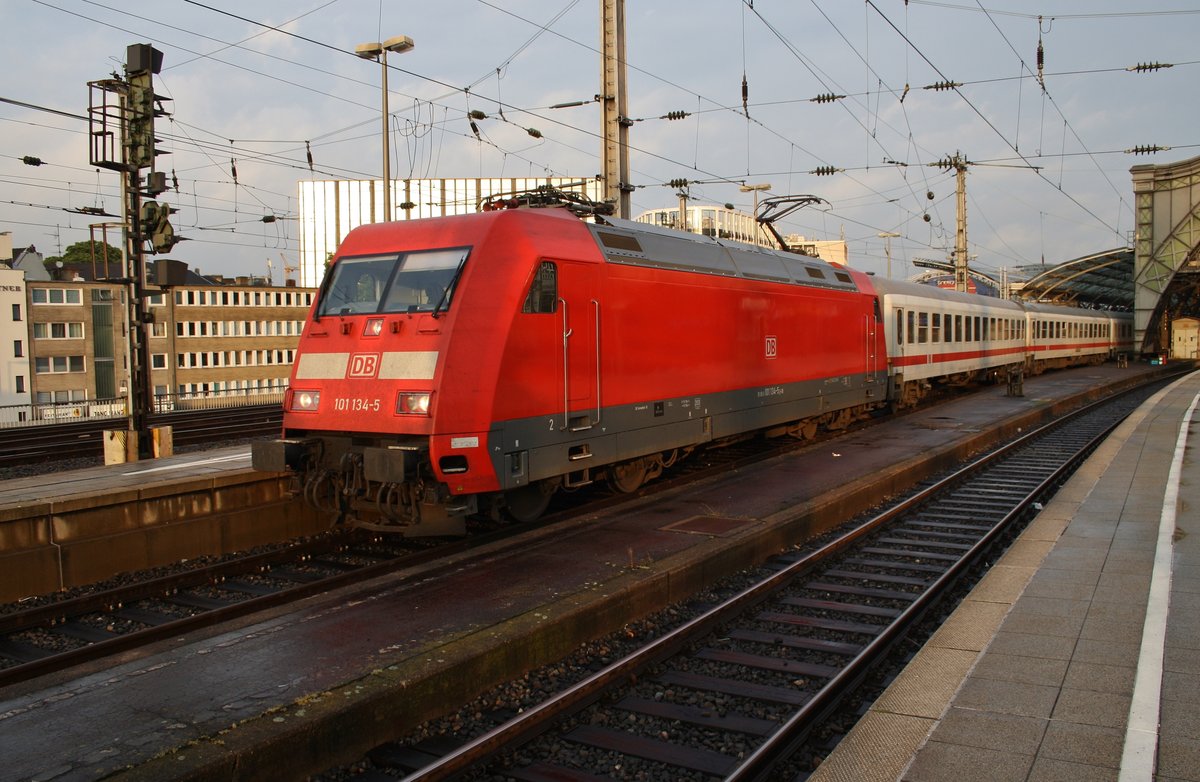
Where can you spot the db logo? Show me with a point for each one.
(772, 347)
(363, 365)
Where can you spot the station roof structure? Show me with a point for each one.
(1102, 280)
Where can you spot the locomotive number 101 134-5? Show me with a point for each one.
(356, 404)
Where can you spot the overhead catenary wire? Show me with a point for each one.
(499, 141)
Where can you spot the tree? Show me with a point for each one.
(81, 253)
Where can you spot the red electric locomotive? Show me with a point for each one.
(479, 363)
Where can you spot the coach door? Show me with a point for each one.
(871, 328)
(579, 320)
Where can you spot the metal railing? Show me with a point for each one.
(16, 416)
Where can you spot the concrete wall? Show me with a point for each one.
(72, 541)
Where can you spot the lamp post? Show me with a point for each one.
(755, 189)
(887, 237)
(378, 51)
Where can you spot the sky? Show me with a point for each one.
(256, 86)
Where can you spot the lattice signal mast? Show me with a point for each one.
(121, 115)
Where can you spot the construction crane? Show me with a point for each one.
(287, 268)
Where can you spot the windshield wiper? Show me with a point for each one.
(448, 288)
(326, 281)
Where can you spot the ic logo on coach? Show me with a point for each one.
(363, 365)
(772, 347)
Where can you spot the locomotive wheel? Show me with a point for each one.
(528, 502)
(627, 477)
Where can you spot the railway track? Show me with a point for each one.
(734, 692)
(85, 439)
(145, 608)
(49, 637)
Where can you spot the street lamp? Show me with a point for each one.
(754, 189)
(887, 237)
(378, 51)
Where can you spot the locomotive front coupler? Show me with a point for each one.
(393, 463)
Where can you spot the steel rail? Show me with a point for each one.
(74, 439)
(792, 733)
(47, 616)
(538, 719)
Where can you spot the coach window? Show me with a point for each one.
(899, 327)
(958, 328)
(543, 291)
(922, 327)
(935, 332)
(912, 327)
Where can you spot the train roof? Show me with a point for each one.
(640, 244)
(904, 288)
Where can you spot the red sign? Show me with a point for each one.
(363, 365)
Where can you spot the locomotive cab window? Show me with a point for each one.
(409, 282)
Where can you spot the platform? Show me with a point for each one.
(290, 690)
(1078, 656)
(69, 529)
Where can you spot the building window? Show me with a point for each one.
(18, 348)
(158, 360)
(16, 312)
(47, 365)
(20, 383)
(58, 331)
(56, 296)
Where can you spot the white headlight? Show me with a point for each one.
(408, 403)
(308, 401)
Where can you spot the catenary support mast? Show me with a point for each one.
(615, 152)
